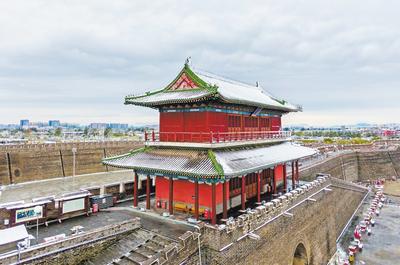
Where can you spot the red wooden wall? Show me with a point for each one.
(215, 122)
(184, 192)
(278, 174)
(276, 124)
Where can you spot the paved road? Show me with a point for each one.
(383, 246)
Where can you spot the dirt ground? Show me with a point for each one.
(392, 188)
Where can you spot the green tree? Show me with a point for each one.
(376, 138)
(58, 132)
(107, 132)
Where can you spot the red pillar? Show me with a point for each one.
(259, 186)
(148, 185)
(243, 197)
(293, 177)
(196, 200)
(274, 182)
(225, 189)
(297, 172)
(284, 177)
(135, 190)
(214, 204)
(171, 196)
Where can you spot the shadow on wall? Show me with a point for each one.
(300, 255)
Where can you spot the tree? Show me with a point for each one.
(107, 132)
(58, 132)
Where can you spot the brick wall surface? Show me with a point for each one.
(357, 166)
(316, 225)
(4, 170)
(73, 249)
(36, 162)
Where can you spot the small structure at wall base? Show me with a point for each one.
(11, 237)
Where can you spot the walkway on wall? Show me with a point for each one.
(58, 186)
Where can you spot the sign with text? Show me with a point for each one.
(27, 214)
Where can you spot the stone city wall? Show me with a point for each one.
(22, 163)
(378, 164)
(357, 166)
(73, 249)
(313, 215)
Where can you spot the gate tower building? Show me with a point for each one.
(220, 145)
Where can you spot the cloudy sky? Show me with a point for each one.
(76, 60)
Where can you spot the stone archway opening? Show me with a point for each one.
(300, 255)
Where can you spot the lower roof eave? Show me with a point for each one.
(258, 168)
(152, 171)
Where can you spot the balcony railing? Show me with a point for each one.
(214, 137)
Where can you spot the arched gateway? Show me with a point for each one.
(300, 255)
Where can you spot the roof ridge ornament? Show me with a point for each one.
(188, 61)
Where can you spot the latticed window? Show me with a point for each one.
(235, 183)
(251, 122)
(234, 121)
(265, 122)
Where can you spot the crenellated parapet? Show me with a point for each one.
(312, 217)
(247, 224)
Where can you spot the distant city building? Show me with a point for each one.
(118, 126)
(38, 124)
(24, 124)
(54, 123)
(113, 126)
(70, 125)
(389, 133)
(98, 126)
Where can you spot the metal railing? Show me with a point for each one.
(214, 137)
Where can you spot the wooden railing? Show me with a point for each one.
(214, 137)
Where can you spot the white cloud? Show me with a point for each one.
(80, 55)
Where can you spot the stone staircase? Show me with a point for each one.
(143, 247)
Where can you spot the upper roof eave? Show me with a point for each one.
(264, 106)
(207, 89)
(155, 104)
